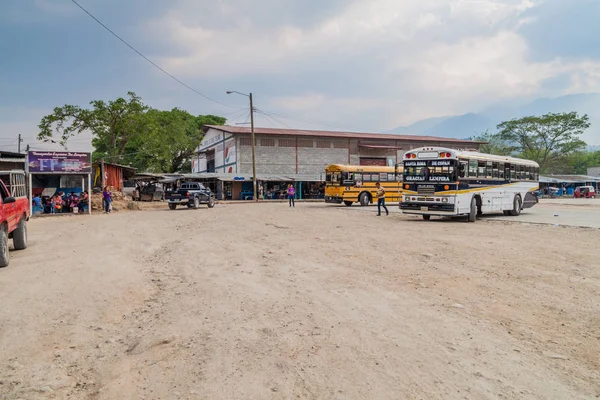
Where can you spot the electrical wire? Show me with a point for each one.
(149, 60)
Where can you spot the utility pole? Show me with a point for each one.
(19, 145)
(253, 152)
(254, 186)
(27, 149)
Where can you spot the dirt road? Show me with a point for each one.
(267, 302)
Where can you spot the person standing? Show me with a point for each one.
(261, 192)
(291, 192)
(381, 199)
(107, 197)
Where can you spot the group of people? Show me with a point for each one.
(61, 203)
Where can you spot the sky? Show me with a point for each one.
(361, 65)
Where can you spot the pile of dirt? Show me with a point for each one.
(120, 202)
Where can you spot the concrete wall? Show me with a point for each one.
(594, 171)
(305, 155)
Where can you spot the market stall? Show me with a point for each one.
(59, 181)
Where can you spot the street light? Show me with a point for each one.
(253, 142)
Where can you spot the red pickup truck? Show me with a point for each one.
(14, 214)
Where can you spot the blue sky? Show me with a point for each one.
(366, 65)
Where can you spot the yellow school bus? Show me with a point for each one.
(350, 184)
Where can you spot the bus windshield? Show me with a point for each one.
(430, 171)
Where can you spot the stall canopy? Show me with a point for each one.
(560, 179)
(169, 178)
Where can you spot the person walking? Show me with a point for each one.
(291, 192)
(381, 199)
(107, 197)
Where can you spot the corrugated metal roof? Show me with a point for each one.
(568, 178)
(336, 134)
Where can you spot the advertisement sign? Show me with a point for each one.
(59, 162)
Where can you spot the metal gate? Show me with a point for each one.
(18, 185)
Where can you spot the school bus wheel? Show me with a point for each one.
(364, 199)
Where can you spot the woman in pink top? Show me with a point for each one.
(291, 192)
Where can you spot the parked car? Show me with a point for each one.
(14, 214)
(585, 191)
(152, 192)
(129, 188)
(191, 194)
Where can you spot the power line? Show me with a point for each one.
(149, 60)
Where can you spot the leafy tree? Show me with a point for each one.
(127, 131)
(549, 139)
(581, 161)
(171, 140)
(494, 144)
(113, 124)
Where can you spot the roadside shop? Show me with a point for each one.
(59, 182)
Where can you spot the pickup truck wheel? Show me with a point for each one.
(20, 235)
(4, 256)
(196, 203)
(172, 206)
(211, 202)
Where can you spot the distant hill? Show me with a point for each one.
(467, 125)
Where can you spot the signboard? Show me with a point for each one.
(59, 162)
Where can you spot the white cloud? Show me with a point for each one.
(416, 58)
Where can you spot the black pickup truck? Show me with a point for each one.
(190, 194)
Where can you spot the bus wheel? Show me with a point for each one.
(473, 210)
(364, 199)
(516, 206)
(348, 203)
(426, 217)
(506, 212)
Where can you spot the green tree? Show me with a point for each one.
(113, 124)
(549, 139)
(581, 161)
(126, 131)
(494, 144)
(171, 140)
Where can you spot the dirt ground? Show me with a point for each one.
(317, 302)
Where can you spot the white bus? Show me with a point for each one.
(446, 182)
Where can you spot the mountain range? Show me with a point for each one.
(471, 124)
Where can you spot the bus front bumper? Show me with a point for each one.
(333, 199)
(428, 208)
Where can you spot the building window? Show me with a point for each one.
(340, 145)
(245, 141)
(267, 142)
(323, 144)
(287, 143)
(305, 143)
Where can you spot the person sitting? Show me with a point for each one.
(37, 201)
(73, 201)
(57, 203)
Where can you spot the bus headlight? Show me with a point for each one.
(444, 200)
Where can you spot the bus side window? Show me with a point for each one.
(366, 177)
(473, 168)
(501, 171)
(489, 169)
(383, 177)
(481, 173)
(513, 173)
(391, 178)
(462, 169)
(495, 170)
(357, 177)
